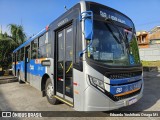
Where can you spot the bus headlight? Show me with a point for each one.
(96, 82)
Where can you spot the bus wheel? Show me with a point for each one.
(50, 92)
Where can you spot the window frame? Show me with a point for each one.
(45, 44)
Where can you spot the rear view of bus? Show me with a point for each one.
(112, 65)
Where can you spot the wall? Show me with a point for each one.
(150, 54)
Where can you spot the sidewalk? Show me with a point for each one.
(7, 79)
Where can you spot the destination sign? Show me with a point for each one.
(108, 13)
(109, 16)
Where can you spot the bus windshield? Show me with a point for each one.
(113, 45)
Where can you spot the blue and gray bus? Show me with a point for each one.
(87, 58)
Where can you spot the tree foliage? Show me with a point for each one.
(9, 42)
(17, 33)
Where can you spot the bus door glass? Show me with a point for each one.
(64, 63)
(27, 64)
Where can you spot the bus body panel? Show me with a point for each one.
(78, 78)
(39, 71)
(85, 96)
(36, 71)
(103, 103)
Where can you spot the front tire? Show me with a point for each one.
(49, 90)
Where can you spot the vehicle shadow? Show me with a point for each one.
(151, 94)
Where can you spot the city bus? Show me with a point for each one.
(87, 58)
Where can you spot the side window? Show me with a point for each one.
(42, 40)
(48, 43)
(44, 49)
(60, 46)
(18, 55)
(34, 47)
(42, 46)
(48, 50)
(78, 42)
(48, 36)
(77, 46)
(22, 54)
(69, 44)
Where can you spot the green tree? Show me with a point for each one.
(9, 42)
(6, 46)
(17, 33)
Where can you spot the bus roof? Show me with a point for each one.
(30, 39)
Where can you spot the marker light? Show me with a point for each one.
(47, 27)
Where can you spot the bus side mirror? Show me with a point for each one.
(88, 24)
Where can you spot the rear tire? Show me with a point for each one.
(49, 90)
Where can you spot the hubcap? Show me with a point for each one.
(50, 90)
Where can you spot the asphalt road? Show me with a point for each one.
(23, 97)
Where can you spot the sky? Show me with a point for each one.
(34, 15)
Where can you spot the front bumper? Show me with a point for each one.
(97, 101)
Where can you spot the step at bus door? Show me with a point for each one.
(64, 62)
(27, 64)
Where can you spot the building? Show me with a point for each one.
(142, 38)
(154, 35)
(145, 38)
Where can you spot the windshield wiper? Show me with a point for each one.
(122, 36)
(111, 31)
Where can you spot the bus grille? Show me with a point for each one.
(123, 75)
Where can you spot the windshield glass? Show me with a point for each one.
(113, 45)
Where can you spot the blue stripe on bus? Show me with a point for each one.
(36, 69)
(125, 88)
(125, 80)
(32, 68)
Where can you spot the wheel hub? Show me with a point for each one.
(50, 90)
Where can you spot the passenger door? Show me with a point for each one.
(27, 64)
(64, 75)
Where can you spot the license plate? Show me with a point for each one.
(131, 101)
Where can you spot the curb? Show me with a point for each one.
(9, 80)
(5, 78)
